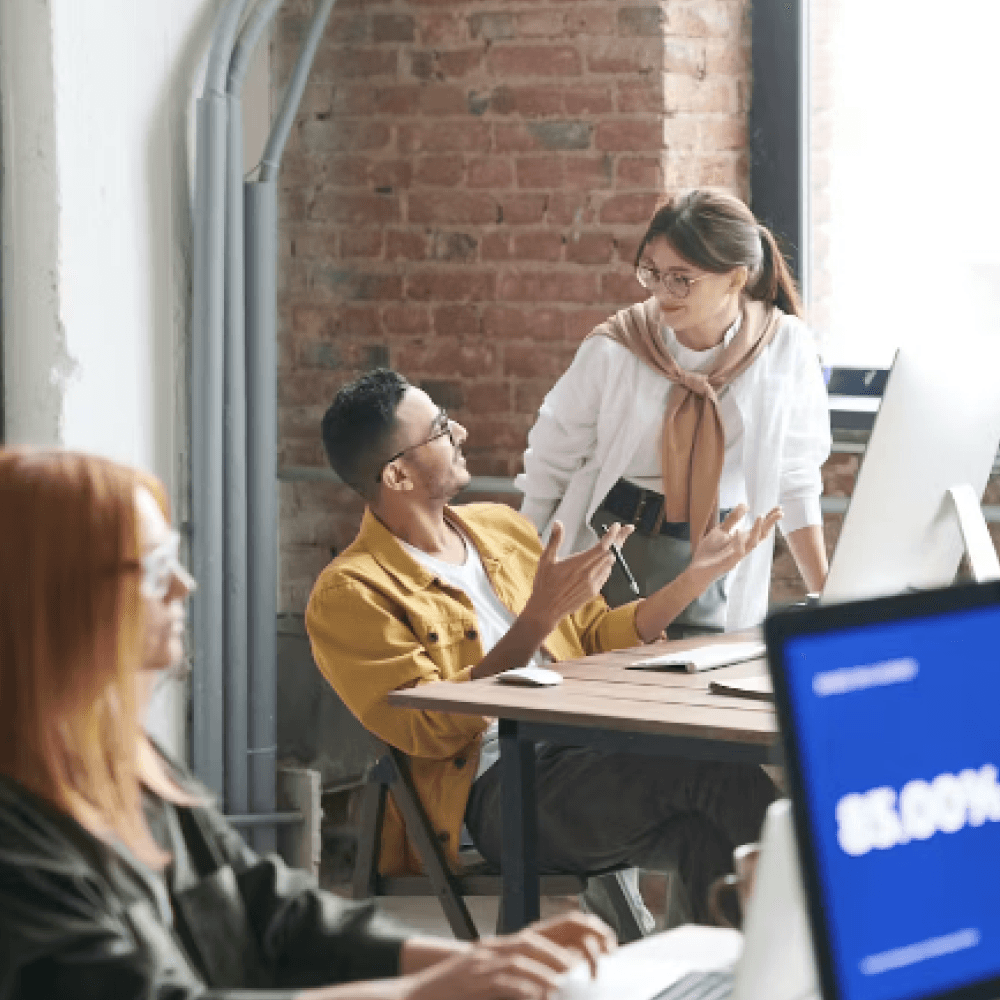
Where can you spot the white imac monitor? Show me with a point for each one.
(916, 502)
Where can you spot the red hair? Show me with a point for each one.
(71, 625)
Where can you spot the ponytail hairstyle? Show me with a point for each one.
(716, 232)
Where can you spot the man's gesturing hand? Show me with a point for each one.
(562, 586)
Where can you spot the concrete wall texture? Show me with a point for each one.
(462, 197)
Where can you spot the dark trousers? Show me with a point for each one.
(597, 811)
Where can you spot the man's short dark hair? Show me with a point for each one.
(359, 426)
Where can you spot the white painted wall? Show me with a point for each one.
(96, 230)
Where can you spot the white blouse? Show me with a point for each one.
(589, 430)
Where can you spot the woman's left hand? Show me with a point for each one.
(726, 545)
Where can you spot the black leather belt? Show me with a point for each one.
(644, 508)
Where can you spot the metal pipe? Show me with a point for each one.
(247, 42)
(271, 160)
(207, 424)
(235, 486)
(262, 494)
(207, 320)
(268, 819)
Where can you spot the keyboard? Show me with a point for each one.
(711, 984)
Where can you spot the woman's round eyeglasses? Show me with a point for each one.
(442, 426)
(676, 285)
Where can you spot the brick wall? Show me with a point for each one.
(461, 199)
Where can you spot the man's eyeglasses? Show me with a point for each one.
(676, 285)
(160, 566)
(442, 426)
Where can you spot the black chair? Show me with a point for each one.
(390, 773)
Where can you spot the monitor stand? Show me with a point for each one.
(979, 549)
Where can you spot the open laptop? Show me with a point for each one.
(888, 710)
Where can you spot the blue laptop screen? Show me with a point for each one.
(898, 736)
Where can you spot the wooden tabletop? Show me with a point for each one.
(599, 692)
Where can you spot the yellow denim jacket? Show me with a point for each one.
(379, 621)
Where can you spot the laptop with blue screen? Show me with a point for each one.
(889, 715)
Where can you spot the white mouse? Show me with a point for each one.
(532, 676)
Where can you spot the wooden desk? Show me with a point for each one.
(601, 705)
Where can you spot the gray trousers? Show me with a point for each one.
(598, 811)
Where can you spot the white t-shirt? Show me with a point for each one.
(645, 469)
(493, 617)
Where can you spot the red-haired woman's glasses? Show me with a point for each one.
(675, 284)
(160, 566)
(441, 427)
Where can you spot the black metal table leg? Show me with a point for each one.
(519, 853)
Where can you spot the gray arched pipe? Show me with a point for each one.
(206, 415)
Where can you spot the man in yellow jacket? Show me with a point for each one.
(428, 593)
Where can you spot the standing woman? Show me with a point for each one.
(707, 394)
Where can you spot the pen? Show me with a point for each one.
(620, 559)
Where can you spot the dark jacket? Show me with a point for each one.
(82, 919)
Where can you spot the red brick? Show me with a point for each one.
(636, 208)
(454, 246)
(528, 101)
(635, 98)
(570, 208)
(727, 170)
(621, 57)
(515, 139)
(443, 100)
(456, 321)
(496, 246)
(361, 243)
(451, 286)
(685, 58)
(521, 209)
(644, 172)
(540, 172)
(441, 29)
(548, 286)
(588, 101)
(488, 397)
(682, 93)
(405, 245)
(590, 248)
(723, 59)
(629, 136)
(452, 207)
(492, 27)
(540, 245)
(341, 171)
(344, 282)
(580, 322)
(622, 288)
(441, 137)
(391, 174)
(346, 63)
(506, 61)
(490, 172)
(393, 28)
(522, 358)
(440, 171)
(628, 246)
(586, 173)
(706, 20)
(406, 321)
(443, 357)
(459, 63)
(530, 393)
(512, 323)
(448, 393)
(397, 100)
(339, 136)
(355, 209)
(541, 24)
(590, 21)
(310, 242)
(718, 133)
(495, 432)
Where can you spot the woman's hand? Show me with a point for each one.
(726, 545)
(522, 966)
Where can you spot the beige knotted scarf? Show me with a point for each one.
(694, 442)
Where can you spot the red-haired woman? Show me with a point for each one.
(118, 878)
